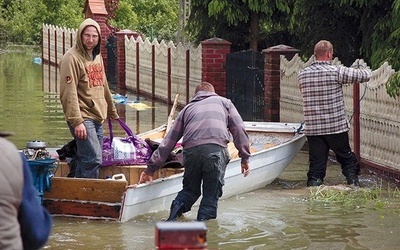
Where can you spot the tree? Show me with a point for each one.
(244, 21)
(332, 20)
(357, 28)
(23, 19)
(153, 18)
(125, 17)
(386, 46)
(367, 29)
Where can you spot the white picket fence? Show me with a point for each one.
(379, 117)
(183, 62)
(56, 41)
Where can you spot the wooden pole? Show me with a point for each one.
(356, 120)
(171, 114)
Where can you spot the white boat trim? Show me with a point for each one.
(145, 198)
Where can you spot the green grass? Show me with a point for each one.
(354, 197)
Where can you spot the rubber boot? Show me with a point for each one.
(177, 208)
(351, 173)
(353, 180)
(313, 182)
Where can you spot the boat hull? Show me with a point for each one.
(266, 166)
(124, 200)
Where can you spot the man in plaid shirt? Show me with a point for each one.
(325, 119)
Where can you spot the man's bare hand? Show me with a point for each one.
(145, 178)
(245, 169)
(80, 131)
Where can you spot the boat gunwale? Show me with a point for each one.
(296, 136)
(291, 129)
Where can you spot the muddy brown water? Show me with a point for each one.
(279, 216)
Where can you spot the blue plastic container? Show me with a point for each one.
(42, 172)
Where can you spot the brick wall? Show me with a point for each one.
(272, 79)
(214, 51)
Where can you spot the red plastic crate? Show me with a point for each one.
(181, 235)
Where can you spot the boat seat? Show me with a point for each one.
(132, 173)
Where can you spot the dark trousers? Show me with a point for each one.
(205, 167)
(319, 151)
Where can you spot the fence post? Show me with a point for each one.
(356, 120)
(121, 61)
(272, 79)
(213, 52)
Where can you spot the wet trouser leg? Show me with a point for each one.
(339, 143)
(176, 210)
(89, 151)
(213, 181)
(207, 164)
(318, 150)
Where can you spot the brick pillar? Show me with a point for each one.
(101, 19)
(121, 61)
(272, 78)
(214, 51)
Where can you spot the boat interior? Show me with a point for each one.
(131, 173)
(103, 197)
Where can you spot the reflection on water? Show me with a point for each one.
(31, 108)
(276, 217)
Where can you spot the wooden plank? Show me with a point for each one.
(171, 114)
(165, 172)
(154, 136)
(83, 209)
(233, 152)
(62, 169)
(86, 189)
(132, 172)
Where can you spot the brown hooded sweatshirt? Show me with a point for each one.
(85, 94)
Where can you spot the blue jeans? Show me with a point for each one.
(205, 167)
(89, 151)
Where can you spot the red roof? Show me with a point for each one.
(95, 7)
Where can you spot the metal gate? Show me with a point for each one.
(245, 83)
(112, 60)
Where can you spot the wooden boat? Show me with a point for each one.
(273, 147)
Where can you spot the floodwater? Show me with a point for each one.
(30, 105)
(279, 216)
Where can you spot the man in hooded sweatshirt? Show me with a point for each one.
(86, 98)
(205, 125)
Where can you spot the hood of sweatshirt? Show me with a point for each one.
(79, 45)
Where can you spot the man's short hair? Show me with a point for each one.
(322, 47)
(204, 86)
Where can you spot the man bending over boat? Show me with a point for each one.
(204, 124)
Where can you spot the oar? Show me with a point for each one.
(171, 114)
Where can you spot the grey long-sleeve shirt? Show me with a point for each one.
(207, 119)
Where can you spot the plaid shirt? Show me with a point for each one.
(323, 104)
